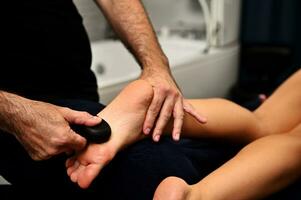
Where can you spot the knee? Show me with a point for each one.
(265, 125)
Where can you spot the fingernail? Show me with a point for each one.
(157, 138)
(96, 118)
(177, 137)
(147, 131)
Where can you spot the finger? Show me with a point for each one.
(72, 168)
(164, 117)
(178, 115)
(76, 142)
(79, 117)
(191, 110)
(70, 161)
(86, 177)
(153, 112)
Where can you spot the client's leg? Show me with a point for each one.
(278, 114)
(126, 114)
(281, 112)
(260, 169)
(225, 120)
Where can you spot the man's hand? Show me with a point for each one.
(42, 128)
(167, 102)
(44, 131)
(130, 21)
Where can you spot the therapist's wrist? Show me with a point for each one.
(155, 63)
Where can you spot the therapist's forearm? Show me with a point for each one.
(130, 21)
(11, 109)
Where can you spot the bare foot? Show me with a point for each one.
(125, 114)
(172, 188)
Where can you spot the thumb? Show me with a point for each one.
(79, 117)
(76, 142)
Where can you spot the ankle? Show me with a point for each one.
(173, 188)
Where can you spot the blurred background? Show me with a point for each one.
(171, 13)
(270, 47)
(265, 33)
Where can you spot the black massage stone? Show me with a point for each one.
(94, 134)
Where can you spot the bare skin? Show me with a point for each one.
(125, 114)
(132, 104)
(131, 23)
(42, 128)
(251, 176)
(173, 188)
(227, 120)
